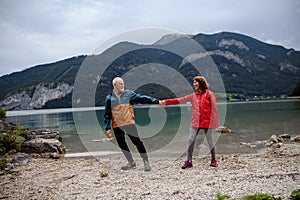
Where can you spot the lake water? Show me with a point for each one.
(167, 129)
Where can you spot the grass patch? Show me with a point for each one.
(295, 195)
(222, 196)
(103, 174)
(260, 197)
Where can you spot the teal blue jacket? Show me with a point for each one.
(119, 111)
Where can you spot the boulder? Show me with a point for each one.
(277, 141)
(269, 144)
(43, 146)
(280, 139)
(297, 139)
(278, 145)
(285, 137)
(17, 159)
(272, 140)
(44, 143)
(45, 134)
(223, 129)
(39, 143)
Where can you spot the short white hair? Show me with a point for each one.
(115, 80)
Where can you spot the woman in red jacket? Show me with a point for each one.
(204, 116)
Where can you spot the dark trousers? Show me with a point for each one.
(132, 133)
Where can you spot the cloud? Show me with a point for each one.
(35, 32)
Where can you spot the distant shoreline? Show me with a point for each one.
(65, 110)
(296, 97)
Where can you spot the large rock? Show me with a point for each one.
(44, 143)
(285, 137)
(17, 159)
(277, 141)
(297, 139)
(45, 134)
(223, 129)
(38, 143)
(41, 145)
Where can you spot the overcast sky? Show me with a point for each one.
(34, 32)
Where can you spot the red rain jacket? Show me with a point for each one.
(204, 108)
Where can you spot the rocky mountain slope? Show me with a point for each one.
(247, 66)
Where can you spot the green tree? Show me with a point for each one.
(2, 114)
(296, 91)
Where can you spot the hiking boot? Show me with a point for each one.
(130, 165)
(213, 163)
(147, 166)
(187, 164)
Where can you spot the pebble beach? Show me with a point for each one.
(275, 171)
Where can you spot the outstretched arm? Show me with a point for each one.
(143, 99)
(180, 100)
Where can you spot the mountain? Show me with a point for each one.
(264, 69)
(247, 66)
